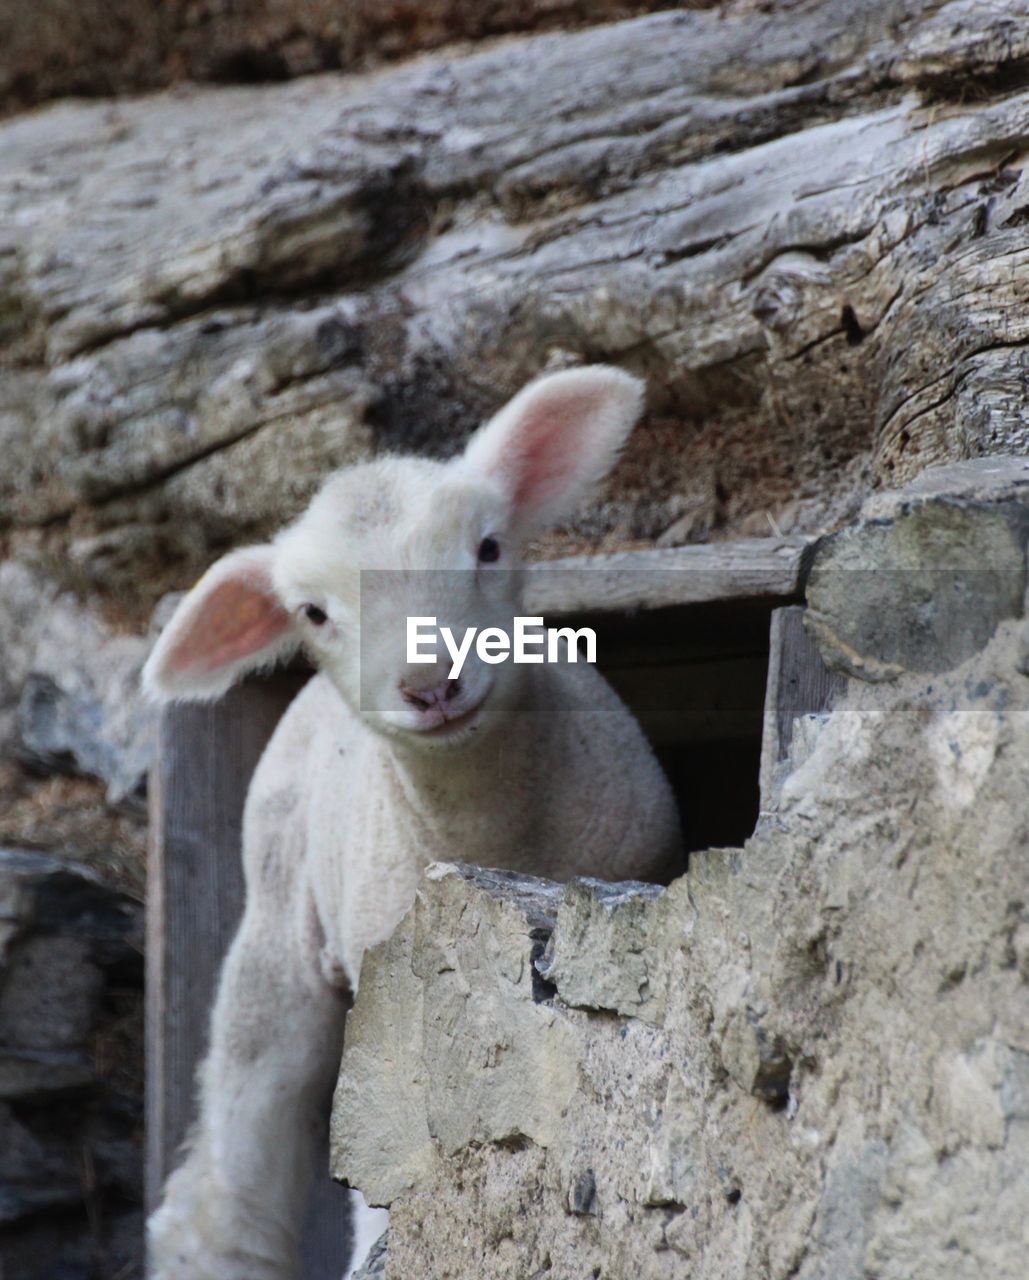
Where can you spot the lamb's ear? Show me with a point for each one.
(555, 440)
(229, 624)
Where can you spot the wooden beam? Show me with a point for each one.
(751, 568)
(206, 755)
(799, 683)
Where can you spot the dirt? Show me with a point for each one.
(69, 817)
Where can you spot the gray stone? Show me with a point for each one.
(51, 993)
(480, 1090)
(999, 479)
(374, 1265)
(922, 583)
(82, 708)
(25, 600)
(582, 1194)
(598, 952)
(70, 1074)
(756, 1059)
(853, 1192)
(70, 699)
(38, 1074)
(859, 965)
(56, 897)
(32, 1179)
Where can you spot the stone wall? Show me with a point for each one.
(808, 1056)
(71, 1073)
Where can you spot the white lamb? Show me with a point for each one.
(381, 767)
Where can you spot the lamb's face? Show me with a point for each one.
(392, 540)
(406, 538)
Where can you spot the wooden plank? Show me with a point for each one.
(206, 755)
(799, 683)
(750, 568)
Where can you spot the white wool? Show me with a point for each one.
(363, 784)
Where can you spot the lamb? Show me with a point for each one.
(381, 767)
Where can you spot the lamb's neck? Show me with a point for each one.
(493, 779)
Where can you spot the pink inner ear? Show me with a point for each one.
(237, 622)
(546, 452)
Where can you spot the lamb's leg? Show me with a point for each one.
(232, 1210)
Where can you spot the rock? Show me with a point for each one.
(70, 699)
(25, 599)
(34, 1179)
(597, 955)
(476, 1093)
(997, 480)
(922, 582)
(374, 1265)
(833, 1080)
(38, 1075)
(51, 896)
(82, 709)
(756, 1060)
(51, 993)
(70, 1070)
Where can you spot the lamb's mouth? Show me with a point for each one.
(452, 726)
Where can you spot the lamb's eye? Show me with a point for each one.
(315, 616)
(489, 551)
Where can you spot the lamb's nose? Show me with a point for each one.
(425, 699)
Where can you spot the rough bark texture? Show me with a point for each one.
(808, 1057)
(52, 48)
(807, 228)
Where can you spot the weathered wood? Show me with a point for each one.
(806, 227)
(747, 569)
(99, 47)
(799, 683)
(206, 755)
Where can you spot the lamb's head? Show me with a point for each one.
(401, 538)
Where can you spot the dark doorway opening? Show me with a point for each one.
(695, 676)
